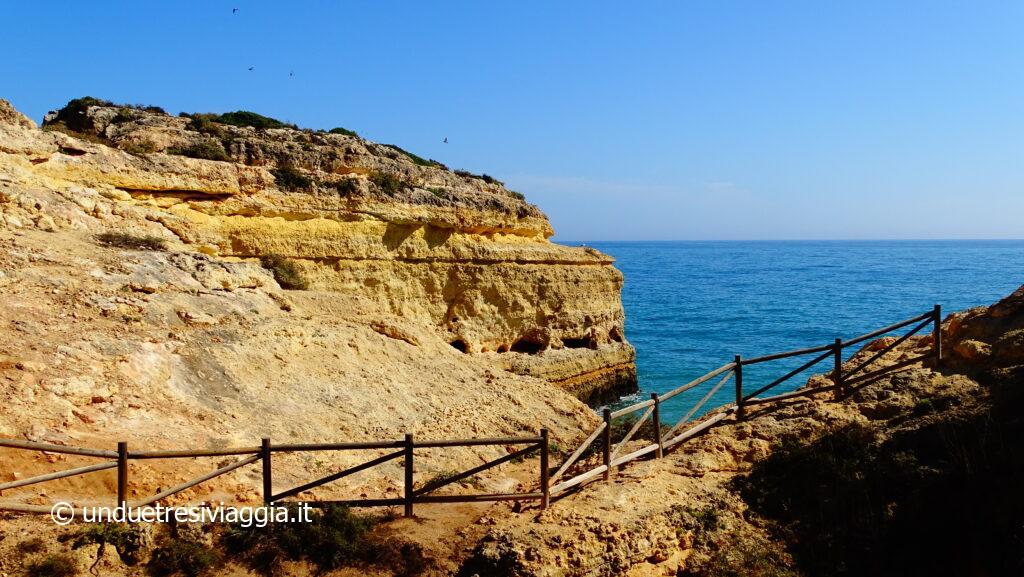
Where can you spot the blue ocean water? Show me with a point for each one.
(691, 306)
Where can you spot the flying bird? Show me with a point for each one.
(446, 140)
(251, 68)
(292, 73)
(233, 10)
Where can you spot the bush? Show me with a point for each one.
(34, 545)
(346, 187)
(291, 179)
(139, 148)
(345, 131)
(441, 193)
(419, 160)
(285, 272)
(517, 195)
(178, 556)
(388, 184)
(127, 540)
(484, 177)
(334, 538)
(239, 118)
(54, 565)
(206, 149)
(131, 241)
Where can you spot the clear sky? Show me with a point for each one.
(621, 120)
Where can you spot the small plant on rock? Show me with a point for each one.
(291, 179)
(131, 241)
(53, 565)
(207, 150)
(286, 273)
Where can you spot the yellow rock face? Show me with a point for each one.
(459, 255)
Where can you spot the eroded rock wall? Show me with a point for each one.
(457, 252)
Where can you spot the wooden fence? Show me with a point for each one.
(401, 449)
(843, 382)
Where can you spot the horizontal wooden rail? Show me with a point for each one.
(58, 475)
(479, 442)
(195, 453)
(479, 497)
(698, 381)
(787, 354)
(335, 476)
(789, 395)
(300, 447)
(632, 408)
(196, 481)
(49, 448)
(435, 485)
(884, 370)
(884, 330)
(578, 479)
(698, 428)
(790, 374)
(635, 455)
(886, 349)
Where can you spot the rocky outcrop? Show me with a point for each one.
(806, 486)
(456, 252)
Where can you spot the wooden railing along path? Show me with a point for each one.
(843, 382)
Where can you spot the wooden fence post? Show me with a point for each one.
(656, 421)
(544, 489)
(937, 335)
(122, 474)
(837, 374)
(607, 452)
(268, 481)
(740, 413)
(408, 474)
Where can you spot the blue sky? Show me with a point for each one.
(621, 120)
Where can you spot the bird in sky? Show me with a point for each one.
(233, 10)
(291, 73)
(251, 68)
(446, 140)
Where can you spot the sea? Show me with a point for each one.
(691, 306)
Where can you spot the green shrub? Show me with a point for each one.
(517, 195)
(178, 556)
(285, 272)
(484, 177)
(53, 565)
(131, 241)
(240, 118)
(441, 193)
(139, 148)
(291, 179)
(388, 184)
(33, 545)
(127, 540)
(346, 187)
(419, 160)
(345, 131)
(206, 149)
(333, 538)
(206, 124)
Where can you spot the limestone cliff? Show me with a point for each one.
(455, 252)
